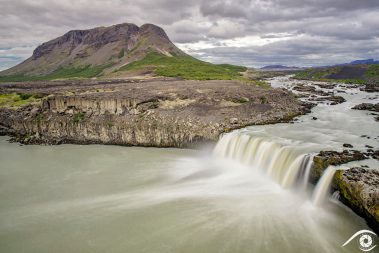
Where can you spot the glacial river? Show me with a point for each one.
(241, 196)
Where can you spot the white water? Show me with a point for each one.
(281, 163)
(321, 192)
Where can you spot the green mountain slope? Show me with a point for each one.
(185, 67)
(360, 74)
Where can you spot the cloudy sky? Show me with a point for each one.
(246, 32)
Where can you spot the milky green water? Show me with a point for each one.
(95, 198)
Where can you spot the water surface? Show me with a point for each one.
(116, 199)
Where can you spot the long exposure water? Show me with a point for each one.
(244, 196)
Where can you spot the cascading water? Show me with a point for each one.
(321, 191)
(305, 170)
(281, 163)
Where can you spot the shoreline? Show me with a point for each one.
(155, 113)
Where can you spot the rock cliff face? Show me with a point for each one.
(102, 46)
(162, 114)
(359, 188)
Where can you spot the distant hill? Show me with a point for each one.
(351, 73)
(356, 62)
(367, 61)
(278, 68)
(122, 50)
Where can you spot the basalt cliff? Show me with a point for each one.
(145, 113)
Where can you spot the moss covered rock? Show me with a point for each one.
(359, 189)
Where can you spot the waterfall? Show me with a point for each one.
(305, 170)
(280, 162)
(321, 192)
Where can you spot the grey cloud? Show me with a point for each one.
(308, 51)
(317, 32)
(236, 9)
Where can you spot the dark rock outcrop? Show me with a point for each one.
(367, 107)
(370, 87)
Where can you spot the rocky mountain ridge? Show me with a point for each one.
(108, 47)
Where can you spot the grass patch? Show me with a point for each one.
(260, 83)
(24, 96)
(62, 73)
(121, 53)
(373, 70)
(186, 67)
(15, 100)
(241, 100)
(78, 117)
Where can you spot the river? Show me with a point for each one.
(239, 197)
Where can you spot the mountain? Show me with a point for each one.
(119, 51)
(99, 48)
(279, 67)
(367, 61)
(367, 74)
(356, 62)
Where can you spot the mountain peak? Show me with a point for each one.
(115, 45)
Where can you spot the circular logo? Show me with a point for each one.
(365, 241)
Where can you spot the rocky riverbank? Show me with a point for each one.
(163, 113)
(358, 187)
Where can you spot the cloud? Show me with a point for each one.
(252, 32)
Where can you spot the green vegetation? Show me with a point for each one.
(109, 124)
(121, 53)
(78, 117)
(62, 73)
(241, 100)
(182, 66)
(343, 74)
(24, 96)
(319, 74)
(260, 83)
(39, 118)
(15, 100)
(263, 100)
(373, 70)
(186, 67)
